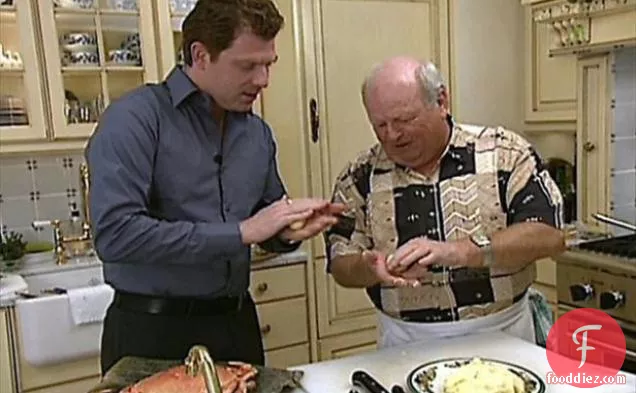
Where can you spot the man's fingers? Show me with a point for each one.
(294, 217)
(306, 204)
(405, 260)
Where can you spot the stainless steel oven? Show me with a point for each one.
(602, 275)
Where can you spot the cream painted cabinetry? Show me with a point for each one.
(76, 61)
(22, 111)
(280, 294)
(7, 367)
(546, 281)
(550, 81)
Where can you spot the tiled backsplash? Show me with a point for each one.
(38, 188)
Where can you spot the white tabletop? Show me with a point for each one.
(391, 366)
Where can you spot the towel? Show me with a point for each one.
(541, 315)
(89, 304)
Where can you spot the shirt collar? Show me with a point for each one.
(180, 85)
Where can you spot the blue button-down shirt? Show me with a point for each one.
(168, 192)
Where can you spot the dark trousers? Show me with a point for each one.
(228, 336)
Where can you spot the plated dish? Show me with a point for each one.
(473, 375)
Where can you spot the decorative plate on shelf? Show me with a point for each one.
(431, 377)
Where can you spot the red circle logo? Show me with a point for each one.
(585, 348)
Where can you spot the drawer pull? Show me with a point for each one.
(262, 287)
(266, 329)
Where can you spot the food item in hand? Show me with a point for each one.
(480, 376)
(235, 377)
(296, 225)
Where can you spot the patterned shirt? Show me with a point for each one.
(488, 179)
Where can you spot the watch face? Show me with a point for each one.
(481, 240)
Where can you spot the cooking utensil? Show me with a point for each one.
(365, 383)
(397, 389)
(614, 222)
(430, 377)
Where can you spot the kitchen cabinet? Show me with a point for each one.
(348, 344)
(546, 281)
(77, 59)
(418, 28)
(22, 110)
(7, 367)
(93, 56)
(550, 82)
(340, 309)
(280, 294)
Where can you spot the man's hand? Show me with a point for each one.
(413, 258)
(377, 264)
(272, 219)
(320, 220)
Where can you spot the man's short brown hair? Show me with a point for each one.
(216, 23)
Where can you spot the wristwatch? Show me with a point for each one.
(483, 242)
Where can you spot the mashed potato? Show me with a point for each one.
(483, 377)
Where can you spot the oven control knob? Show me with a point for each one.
(581, 292)
(612, 299)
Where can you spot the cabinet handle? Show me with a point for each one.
(262, 287)
(314, 119)
(266, 329)
(588, 146)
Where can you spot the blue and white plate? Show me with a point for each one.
(430, 377)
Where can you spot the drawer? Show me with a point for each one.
(283, 323)
(278, 283)
(287, 357)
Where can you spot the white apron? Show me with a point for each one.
(515, 320)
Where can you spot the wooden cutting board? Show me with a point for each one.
(130, 370)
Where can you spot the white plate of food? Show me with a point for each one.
(473, 375)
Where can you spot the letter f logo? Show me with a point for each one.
(583, 348)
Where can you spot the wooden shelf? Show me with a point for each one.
(81, 69)
(589, 49)
(586, 14)
(124, 68)
(12, 71)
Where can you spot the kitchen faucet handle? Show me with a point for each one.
(200, 362)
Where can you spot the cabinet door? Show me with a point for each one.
(21, 97)
(341, 309)
(344, 53)
(550, 81)
(94, 56)
(594, 116)
(348, 345)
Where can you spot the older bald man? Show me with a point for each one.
(445, 220)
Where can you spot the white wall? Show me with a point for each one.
(488, 61)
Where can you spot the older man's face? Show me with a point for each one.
(411, 133)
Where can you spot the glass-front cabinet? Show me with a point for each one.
(96, 51)
(21, 100)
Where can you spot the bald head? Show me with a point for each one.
(403, 72)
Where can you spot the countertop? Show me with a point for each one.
(392, 366)
(44, 263)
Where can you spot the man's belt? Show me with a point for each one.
(177, 306)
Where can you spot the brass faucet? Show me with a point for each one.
(200, 362)
(74, 244)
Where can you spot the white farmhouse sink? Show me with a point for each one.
(46, 330)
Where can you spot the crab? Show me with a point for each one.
(234, 377)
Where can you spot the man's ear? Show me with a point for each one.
(442, 99)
